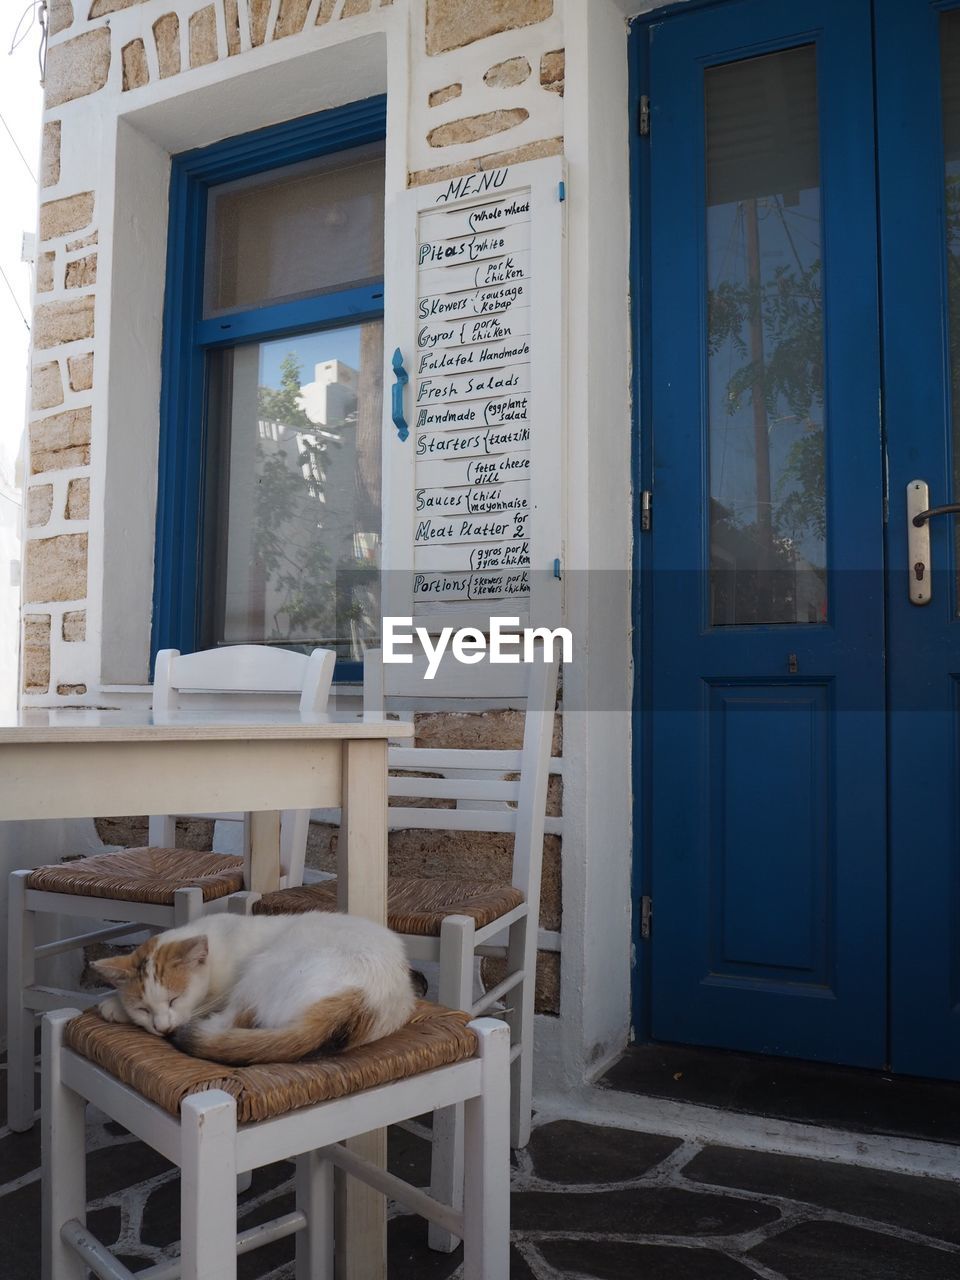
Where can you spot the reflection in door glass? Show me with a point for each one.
(765, 342)
(950, 85)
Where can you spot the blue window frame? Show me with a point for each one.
(188, 338)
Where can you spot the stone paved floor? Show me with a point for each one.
(589, 1201)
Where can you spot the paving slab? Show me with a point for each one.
(112, 1168)
(612, 1260)
(160, 1225)
(519, 1270)
(20, 1233)
(833, 1251)
(928, 1206)
(106, 1224)
(572, 1152)
(19, 1154)
(655, 1210)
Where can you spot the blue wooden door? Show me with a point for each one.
(767, 760)
(918, 158)
(804, 755)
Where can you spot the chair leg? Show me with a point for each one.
(457, 934)
(314, 1182)
(63, 1157)
(242, 902)
(208, 1187)
(187, 905)
(21, 974)
(162, 831)
(522, 955)
(486, 1191)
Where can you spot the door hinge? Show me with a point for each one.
(643, 121)
(646, 511)
(646, 916)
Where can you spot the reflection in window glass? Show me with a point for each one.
(293, 471)
(765, 342)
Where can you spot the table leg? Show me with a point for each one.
(362, 850)
(263, 872)
(362, 880)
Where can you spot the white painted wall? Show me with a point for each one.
(121, 145)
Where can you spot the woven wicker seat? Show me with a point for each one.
(434, 1037)
(414, 906)
(142, 875)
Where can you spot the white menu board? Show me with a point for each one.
(473, 498)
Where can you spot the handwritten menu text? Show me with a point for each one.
(472, 417)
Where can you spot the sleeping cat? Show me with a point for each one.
(243, 989)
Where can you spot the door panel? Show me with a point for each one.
(767, 634)
(771, 911)
(919, 201)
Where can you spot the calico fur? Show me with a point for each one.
(247, 989)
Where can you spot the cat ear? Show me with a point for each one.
(190, 951)
(114, 969)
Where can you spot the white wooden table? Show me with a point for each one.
(66, 763)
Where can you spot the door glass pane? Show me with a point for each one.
(768, 531)
(295, 232)
(293, 491)
(950, 82)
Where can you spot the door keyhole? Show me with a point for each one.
(919, 569)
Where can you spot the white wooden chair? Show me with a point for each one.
(452, 920)
(217, 1122)
(157, 886)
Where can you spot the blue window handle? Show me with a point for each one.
(402, 378)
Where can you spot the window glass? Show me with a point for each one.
(297, 231)
(293, 491)
(765, 341)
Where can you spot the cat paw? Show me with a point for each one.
(111, 1010)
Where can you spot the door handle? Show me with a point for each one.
(402, 378)
(919, 512)
(951, 509)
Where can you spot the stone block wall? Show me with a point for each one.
(57, 497)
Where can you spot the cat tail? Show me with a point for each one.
(329, 1025)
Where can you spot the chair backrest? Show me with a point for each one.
(245, 668)
(493, 790)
